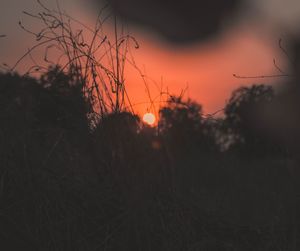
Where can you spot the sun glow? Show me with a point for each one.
(149, 118)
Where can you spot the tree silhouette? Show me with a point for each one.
(245, 122)
(64, 103)
(44, 149)
(183, 124)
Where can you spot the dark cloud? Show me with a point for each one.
(176, 20)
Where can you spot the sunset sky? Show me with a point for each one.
(204, 69)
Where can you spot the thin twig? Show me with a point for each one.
(262, 76)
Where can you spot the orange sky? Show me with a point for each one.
(206, 68)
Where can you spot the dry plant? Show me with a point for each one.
(281, 72)
(96, 59)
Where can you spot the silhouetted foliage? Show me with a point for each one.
(68, 182)
(65, 105)
(244, 120)
(183, 123)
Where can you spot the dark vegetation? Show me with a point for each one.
(79, 171)
(192, 183)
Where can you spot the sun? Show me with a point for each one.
(149, 118)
